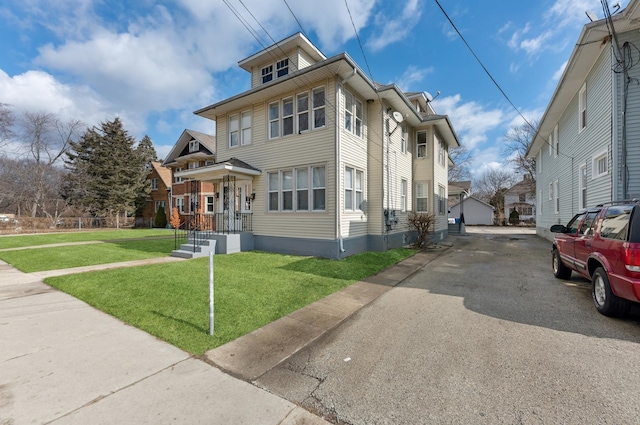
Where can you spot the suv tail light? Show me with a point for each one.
(632, 257)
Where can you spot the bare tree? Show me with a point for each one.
(7, 120)
(461, 158)
(44, 139)
(491, 186)
(517, 142)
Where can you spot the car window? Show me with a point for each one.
(587, 225)
(616, 222)
(572, 227)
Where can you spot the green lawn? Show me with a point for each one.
(252, 289)
(21, 241)
(34, 260)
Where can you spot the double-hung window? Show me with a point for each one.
(442, 199)
(234, 134)
(302, 101)
(556, 142)
(154, 184)
(318, 97)
(245, 122)
(288, 190)
(582, 108)
(403, 195)
(209, 204)
(353, 185)
(422, 197)
(582, 186)
(287, 116)
(274, 120)
(178, 179)
(441, 152)
(194, 146)
(556, 195)
(403, 140)
(180, 204)
(421, 144)
(353, 114)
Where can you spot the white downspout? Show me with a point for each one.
(339, 86)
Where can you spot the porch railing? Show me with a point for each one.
(198, 228)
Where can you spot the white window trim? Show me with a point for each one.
(180, 205)
(442, 200)
(539, 209)
(594, 164)
(404, 139)
(551, 191)
(403, 195)
(425, 144)
(194, 146)
(556, 142)
(556, 197)
(295, 115)
(310, 190)
(441, 151)
(277, 120)
(356, 192)
(582, 108)
(425, 185)
(154, 184)
(314, 108)
(263, 74)
(299, 113)
(539, 161)
(206, 204)
(582, 204)
(550, 143)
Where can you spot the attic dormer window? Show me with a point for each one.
(194, 146)
(267, 74)
(282, 67)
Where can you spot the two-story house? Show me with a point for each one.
(586, 146)
(326, 161)
(521, 197)
(159, 180)
(192, 150)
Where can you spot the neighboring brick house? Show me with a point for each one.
(522, 198)
(317, 159)
(159, 180)
(192, 150)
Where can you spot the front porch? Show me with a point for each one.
(221, 233)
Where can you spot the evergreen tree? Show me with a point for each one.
(106, 172)
(146, 154)
(161, 218)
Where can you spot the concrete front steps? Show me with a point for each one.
(217, 243)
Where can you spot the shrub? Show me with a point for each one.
(422, 223)
(161, 218)
(514, 217)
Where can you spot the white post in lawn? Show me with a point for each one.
(211, 324)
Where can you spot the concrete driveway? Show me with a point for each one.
(483, 335)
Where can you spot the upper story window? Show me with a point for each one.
(194, 146)
(267, 74)
(441, 151)
(193, 165)
(550, 143)
(154, 184)
(353, 114)
(282, 68)
(421, 144)
(287, 117)
(240, 129)
(178, 179)
(318, 107)
(599, 165)
(556, 142)
(403, 195)
(582, 108)
(403, 140)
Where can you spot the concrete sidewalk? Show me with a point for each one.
(64, 362)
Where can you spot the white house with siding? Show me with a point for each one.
(587, 146)
(331, 162)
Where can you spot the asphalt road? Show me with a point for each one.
(483, 335)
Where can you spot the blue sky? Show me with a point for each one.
(152, 63)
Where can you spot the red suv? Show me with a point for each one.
(603, 245)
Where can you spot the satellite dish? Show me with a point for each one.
(428, 96)
(397, 116)
(592, 16)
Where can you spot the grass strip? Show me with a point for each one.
(252, 289)
(64, 257)
(21, 241)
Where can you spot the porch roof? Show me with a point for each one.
(232, 167)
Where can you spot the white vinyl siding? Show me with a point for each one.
(582, 108)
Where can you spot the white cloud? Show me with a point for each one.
(558, 73)
(412, 75)
(471, 121)
(394, 30)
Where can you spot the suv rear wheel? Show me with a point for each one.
(559, 270)
(605, 300)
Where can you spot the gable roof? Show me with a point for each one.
(593, 39)
(163, 172)
(296, 40)
(473, 199)
(207, 147)
(340, 66)
(526, 185)
(456, 188)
